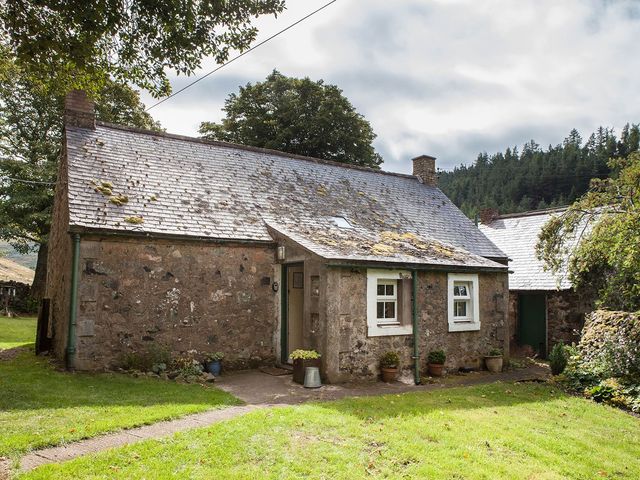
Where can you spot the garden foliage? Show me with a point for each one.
(606, 364)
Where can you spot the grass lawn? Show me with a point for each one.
(15, 332)
(522, 431)
(40, 406)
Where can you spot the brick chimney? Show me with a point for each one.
(79, 110)
(424, 167)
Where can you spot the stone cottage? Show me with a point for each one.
(543, 308)
(204, 246)
(15, 285)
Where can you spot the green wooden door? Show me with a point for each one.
(532, 322)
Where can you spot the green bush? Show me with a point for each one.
(145, 361)
(389, 360)
(558, 358)
(605, 366)
(304, 355)
(437, 357)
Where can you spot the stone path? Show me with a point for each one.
(125, 437)
(260, 390)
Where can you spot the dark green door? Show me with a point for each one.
(532, 322)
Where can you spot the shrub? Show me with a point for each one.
(187, 366)
(144, 361)
(610, 344)
(558, 358)
(437, 357)
(495, 352)
(605, 366)
(214, 357)
(304, 355)
(389, 360)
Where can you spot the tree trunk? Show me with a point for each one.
(40, 279)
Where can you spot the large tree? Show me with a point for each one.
(605, 225)
(296, 115)
(82, 44)
(30, 140)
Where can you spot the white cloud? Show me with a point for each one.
(448, 78)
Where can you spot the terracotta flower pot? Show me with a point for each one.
(299, 365)
(389, 374)
(435, 369)
(493, 363)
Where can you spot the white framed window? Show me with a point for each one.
(463, 301)
(388, 302)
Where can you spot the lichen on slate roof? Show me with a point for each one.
(175, 185)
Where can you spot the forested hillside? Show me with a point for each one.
(531, 178)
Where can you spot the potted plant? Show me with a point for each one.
(213, 363)
(493, 361)
(389, 363)
(435, 362)
(301, 360)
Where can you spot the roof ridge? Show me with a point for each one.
(532, 213)
(237, 146)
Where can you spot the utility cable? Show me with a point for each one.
(242, 54)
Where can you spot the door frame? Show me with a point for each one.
(284, 309)
(546, 317)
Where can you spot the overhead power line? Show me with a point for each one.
(243, 54)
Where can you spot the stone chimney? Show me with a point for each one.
(488, 215)
(424, 167)
(79, 110)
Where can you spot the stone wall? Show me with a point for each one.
(59, 265)
(351, 354)
(566, 311)
(184, 296)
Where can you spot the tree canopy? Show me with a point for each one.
(532, 178)
(82, 44)
(31, 123)
(605, 223)
(296, 115)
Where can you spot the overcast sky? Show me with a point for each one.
(449, 78)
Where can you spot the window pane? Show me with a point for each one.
(380, 289)
(460, 290)
(390, 290)
(380, 309)
(390, 310)
(460, 309)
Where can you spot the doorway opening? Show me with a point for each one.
(532, 321)
(292, 315)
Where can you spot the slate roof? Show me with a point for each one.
(11, 271)
(517, 235)
(183, 186)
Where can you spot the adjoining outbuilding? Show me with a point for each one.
(203, 246)
(15, 285)
(544, 309)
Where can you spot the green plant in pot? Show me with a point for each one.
(493, 361)
(301, 360)
(435, 362)
(389, 365)
(213, 363)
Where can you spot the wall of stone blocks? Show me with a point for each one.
(185, 296)
(352, 355)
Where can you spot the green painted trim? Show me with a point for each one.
(414, 321)
(284, 278)
(73, 303)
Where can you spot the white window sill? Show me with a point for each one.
(389, 330)
(464, 326)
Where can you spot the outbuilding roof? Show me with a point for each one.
(128, 180)
(11, 271)
(517, 236)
